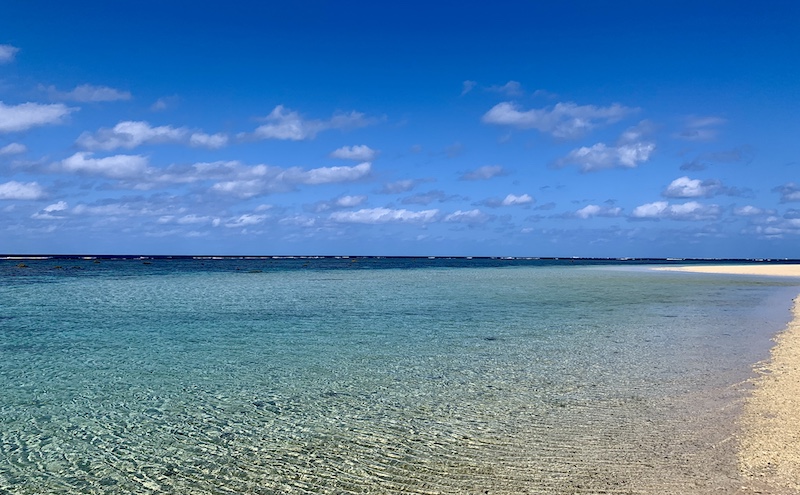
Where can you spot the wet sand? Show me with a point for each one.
(769, 428)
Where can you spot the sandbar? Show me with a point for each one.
(776, 270)
(769, 428)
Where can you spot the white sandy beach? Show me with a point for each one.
(769, 439)
(777, 270)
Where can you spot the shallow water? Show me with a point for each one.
(260, 376)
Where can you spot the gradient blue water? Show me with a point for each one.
(287, 376)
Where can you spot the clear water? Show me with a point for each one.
(342, 376)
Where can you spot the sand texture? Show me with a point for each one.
(779, 270)
(770, 424)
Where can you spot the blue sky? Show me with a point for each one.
(574, 128)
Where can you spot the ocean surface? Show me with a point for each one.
(364, 375)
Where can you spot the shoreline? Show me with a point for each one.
(769, 427)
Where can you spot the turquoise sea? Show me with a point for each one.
(365, 375)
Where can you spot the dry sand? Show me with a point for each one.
(769, 435)
(771, 270)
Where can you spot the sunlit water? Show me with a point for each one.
(326, 376)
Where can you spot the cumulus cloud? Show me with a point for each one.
(7, 53)
(775, 228)
(509, 200)
(246, 182)
(691, 210)
(790, 192)
(590, 211)
(484, 173)
(360, 153)
(48, 212)
(13, 149)
(21, 191)
(285, 124)
(210, 141)
(564, 120)
(113, 167)
(15, 118)
(88, 93)
(384, 215)
(130, 134)
(684, 187)
(600, 156)
(341, 202)
(472, 217)
(329, 175)
(700, 128)
(630, 151)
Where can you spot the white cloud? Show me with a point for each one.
(700, 128)
(242, 188)
(339, 203)
(47, 212)
(298, 221)
(285, 124)
(7, 53)
(164, 102)
(650, 210)
(564, 120)
(402, 186)
(509, 200)
(475, 216)
(114, 167)
(600, 156)
(750, 211)
(89, 93)
(360, 152)
(330, 175)
(191, 219)
(589, 211)
(130, 134)
(13, 149)
(684, 187)
(468, 86)
(691, 210)
(629, 152)
(790, 192)
(27, 115)
(484, 173)
(19, 190)
(350, 201)
(384, 215)
(246, 220)
(511, 88)
(211, 141)
(60, 206)
(246, 182)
